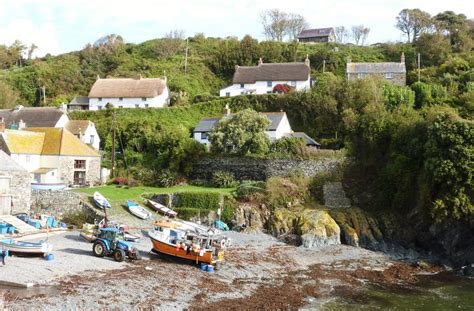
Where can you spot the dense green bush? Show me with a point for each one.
(289, 145)
(199, 200)
(223, 179)
(287, 191)
(167, 178)
(249, 190)
(187, 213)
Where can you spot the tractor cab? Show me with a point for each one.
(111, 234)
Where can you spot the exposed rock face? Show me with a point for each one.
(254, 216)
(258, 169)
(316, 227)
(334, 196)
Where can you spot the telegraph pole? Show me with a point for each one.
(112, 171)
(324, 65)
(419, 70)
(186, 58)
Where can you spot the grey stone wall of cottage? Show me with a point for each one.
(258, 169)
(20, 190)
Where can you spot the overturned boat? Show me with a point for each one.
(168, 238)
(100, 201)
(162, 209)
(138, 210)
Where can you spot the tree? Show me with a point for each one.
(31, 49)
(341, 34)
(8, 96)
(434, 48)
(274, 24)
(457, 28)
(360, 34)
(413, 22)
(295, 24)
(241, 134)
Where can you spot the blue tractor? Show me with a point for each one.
(111, 242)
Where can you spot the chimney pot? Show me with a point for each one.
(402, 58)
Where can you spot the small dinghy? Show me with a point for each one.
(26, 248)
(162, 209)
(100, 200)
(138, 210)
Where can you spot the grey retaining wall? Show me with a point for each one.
(258, 169)
(57, 203)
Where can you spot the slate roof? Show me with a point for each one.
(77, 126)
(206, 125)
(46, 141)
(121, 87)
(314, 33)
(375, 67)
(79, 101)
(32, 116)
(309, 140)
(271, 72)
(8, 164)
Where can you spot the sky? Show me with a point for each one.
(59, 26)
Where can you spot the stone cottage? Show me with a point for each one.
(54, 157)
(389, 71)
(15, 188)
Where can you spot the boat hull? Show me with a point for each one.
(169, 249)
(162, 209)
(26, 248)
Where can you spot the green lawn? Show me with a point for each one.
(119, 195)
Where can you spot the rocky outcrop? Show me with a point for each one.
(315, 227)
(254, 216)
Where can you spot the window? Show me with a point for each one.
(28, 158)
(52, 173)
(269, 83)
(146, 105)
(143, 99)
(99, 107)
(120, 98)
(204, 136)
(100, 99)
(91, 139)
(361, 75)
(242, 85)
(269, 92)
(227, 94)
(120, 106)
(293, 83)
(79, 178)
(389, 75)
(137, 106)
(80, 164)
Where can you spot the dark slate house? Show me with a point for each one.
(317, 35)
(390, 71)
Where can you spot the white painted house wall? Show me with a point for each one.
(159, 101)
(262, 87)
(30, 162)
(91, 137)
(62, 121)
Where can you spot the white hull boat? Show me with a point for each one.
(162, 209)
(27, 248)
(100, 200)
(138, 210)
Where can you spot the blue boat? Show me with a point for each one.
(221, 225)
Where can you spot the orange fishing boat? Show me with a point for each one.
(168, 238)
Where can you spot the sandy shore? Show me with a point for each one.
(259, 273)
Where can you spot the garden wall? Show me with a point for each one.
(261, 169)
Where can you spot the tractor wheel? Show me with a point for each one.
(119, 255)
(98, 249)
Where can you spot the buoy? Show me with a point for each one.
(49, 257)
(210, 268)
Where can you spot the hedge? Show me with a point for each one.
(198, 200)
(187, 213)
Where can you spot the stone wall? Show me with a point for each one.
(55, 202)
(20, 190)
(66, 164)
(258, 169)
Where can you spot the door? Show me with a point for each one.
(5, 205)
(79, 177)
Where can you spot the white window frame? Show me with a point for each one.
(389, 75)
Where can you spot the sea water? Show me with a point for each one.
(435, 292)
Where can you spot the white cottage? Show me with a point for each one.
(24, 117)
(129, 93)
(278, 128)
(263, 78)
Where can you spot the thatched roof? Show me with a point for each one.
(127, 88)
(272, 72)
